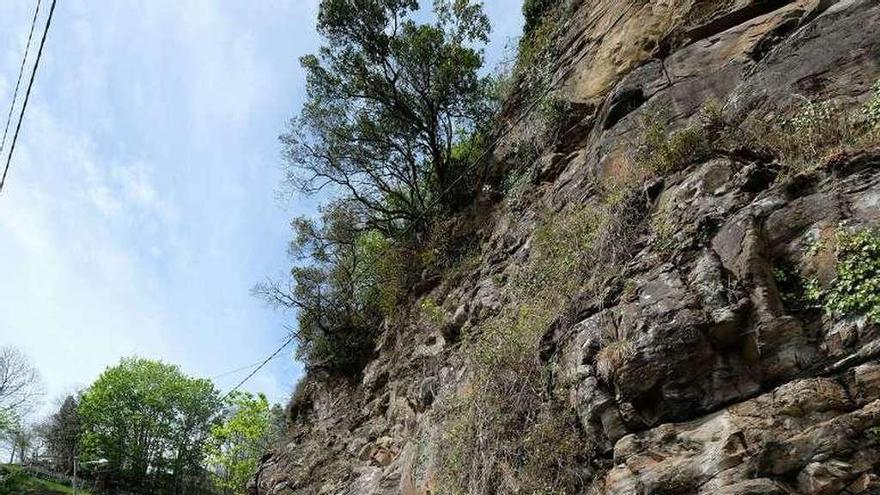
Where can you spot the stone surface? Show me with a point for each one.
(728, 389)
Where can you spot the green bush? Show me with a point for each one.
(661, 152)
(11, 480)
(533, 12)
(872, 108)
(856, 289)
(555, 112)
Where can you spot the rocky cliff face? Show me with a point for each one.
(699, 365)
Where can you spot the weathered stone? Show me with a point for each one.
(727, 388)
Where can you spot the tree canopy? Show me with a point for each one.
(150, 421)
(246, 433)
(61, 433)
(388, 100)
(334, 287)
(20, 386)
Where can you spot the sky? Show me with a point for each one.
(141, 206)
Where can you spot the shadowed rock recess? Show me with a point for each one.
(696, 363)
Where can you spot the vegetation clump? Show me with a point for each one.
(533, 12)
(814, 132)
(512, 431)
(872, 109)
(395, 126)
(661, 152)
(856, 289)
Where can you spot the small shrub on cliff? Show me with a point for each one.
(509, 433)
(661, 152)
(811, 132)
(872, 108)
(612, 355)
(815, 131)
(796, 292)
(533, 12)
(555, 113)
(344, 280)
(431, 313)
(856, 290)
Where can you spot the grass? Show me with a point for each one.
(511, 431)
(29, 485)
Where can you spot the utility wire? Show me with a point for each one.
(236, 370)
(263, 363)
(27, 48)
(27, 95)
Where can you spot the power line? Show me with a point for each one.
(27, 48)
(236, 370)
(27, 94)
(263, 363)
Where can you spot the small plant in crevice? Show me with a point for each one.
(431, 313)
(664, 232)
(871, 111)
(612, 355)
(796, 293)
(555, 113)
(856, 289)
(660, 152)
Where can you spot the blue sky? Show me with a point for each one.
(141, 205)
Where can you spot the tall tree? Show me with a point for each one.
(332, 290)
(241, 440)
(20, 386)
(150, 421)
(388, 100)
(21, 440)
(61, 434)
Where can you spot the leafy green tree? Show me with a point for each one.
(61, 434)
(150, 421)
(334, 288)
(388, 99)
(533, 10)
(241, 439)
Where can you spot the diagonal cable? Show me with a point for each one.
(27, 48)
(27, 95)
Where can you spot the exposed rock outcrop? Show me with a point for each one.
(727, 386)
